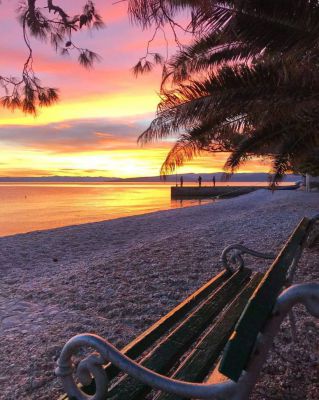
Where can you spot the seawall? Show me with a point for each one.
(178, 192)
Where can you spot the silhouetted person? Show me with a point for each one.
(182, 181)
(200, 181)
(214, 181)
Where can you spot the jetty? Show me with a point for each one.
(194, 192)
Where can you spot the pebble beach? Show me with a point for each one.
(115, 278)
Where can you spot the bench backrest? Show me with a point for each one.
(242, 341)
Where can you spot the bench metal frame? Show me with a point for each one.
(232, 256)
(218, 386)
(92, 366)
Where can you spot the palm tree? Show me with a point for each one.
(248, 84)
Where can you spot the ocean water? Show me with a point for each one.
(28, 207)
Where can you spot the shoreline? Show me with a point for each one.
(29, 208)
(116, 277)
(207, 202)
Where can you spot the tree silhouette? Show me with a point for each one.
(247, 84)
(51, 23)
(46, 21)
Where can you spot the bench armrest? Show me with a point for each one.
(92, 366)
(306, 294)
(232, 255)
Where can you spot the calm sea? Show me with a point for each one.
(28, 207)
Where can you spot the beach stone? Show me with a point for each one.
(10, 322)
(115, 278)
(37, 383)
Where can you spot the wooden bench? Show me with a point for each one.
(211, 346)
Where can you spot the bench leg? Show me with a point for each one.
(291, 275)
(293, 327)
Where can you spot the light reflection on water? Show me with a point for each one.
(27, 207)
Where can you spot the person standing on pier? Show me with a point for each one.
(214, 181)
(200, 181)
(182, 181)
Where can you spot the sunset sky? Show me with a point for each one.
(93, 129)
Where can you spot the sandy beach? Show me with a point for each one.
(115, 278)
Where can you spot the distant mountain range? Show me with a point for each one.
(240, 177)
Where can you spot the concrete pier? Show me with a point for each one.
(195, 192)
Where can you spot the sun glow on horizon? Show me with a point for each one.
(123, 163)
(91, 107)
(57, 145)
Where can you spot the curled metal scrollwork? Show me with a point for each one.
(232, 256)
(88, 369)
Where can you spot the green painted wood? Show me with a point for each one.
(241, 343)
(168, 350)
(200, 361)
(152, 334)
(147, 339)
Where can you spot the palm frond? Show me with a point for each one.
(158, 12)
(183, 150)
(248, 83)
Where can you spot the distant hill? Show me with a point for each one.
(240, 177)
(59, 179)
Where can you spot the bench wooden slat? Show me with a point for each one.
(167, 351)
(186, 342)
(198, 363)
(242, 341)
(147, 339)
(201, 360)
